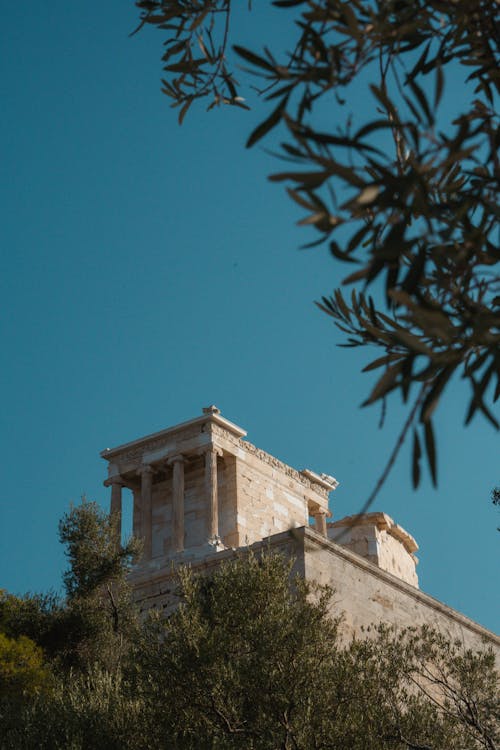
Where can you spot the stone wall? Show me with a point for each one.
(199, 485)
(364, 594)
(268, 499)
(377, 538)
(201, 491)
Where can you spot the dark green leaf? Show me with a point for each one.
(432, 399)
(430, 447)
(386, 383)
(252, 58)
(417, 452)
(439, 86)
(268, 124)
(184, 110)
(381, 361)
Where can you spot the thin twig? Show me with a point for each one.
(396, 449)
(390, 463)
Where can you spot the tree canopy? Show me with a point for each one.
(251, 658)
(407, 197)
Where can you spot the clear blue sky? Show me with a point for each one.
(150, 270)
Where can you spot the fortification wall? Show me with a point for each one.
(364, 593)
(377, 538)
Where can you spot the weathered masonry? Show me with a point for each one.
(198, 487)
(201, 491)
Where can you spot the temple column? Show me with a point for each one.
(136, 512)
(146, 473)
(177, 462)
(320, 522)
(211, 490)
(115, 508)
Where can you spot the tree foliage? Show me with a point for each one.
(408, 197)
(96, 621)
(94, 556)
(99, 615)
(253, 657)
(39, 617)
(22, 669)
(250, 653)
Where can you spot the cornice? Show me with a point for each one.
(155, 440)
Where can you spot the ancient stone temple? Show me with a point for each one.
(201, 491)
(198, 488)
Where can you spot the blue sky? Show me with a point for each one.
(150, 270)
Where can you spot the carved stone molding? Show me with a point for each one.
(136, 454)
(284, 468)
(267, 458)
(220, 432)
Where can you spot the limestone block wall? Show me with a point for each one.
(158, 588)
(365, 594)
(194, 509)
(267, 495)
(226, 478)
(377, 538)
(162, 516)
(393, 557)
(268, 500)
(195, 506)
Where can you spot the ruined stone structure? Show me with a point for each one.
(201, 491)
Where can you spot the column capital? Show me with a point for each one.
(145, 469)
(209, 449)
(117, 479)
(178, 458)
